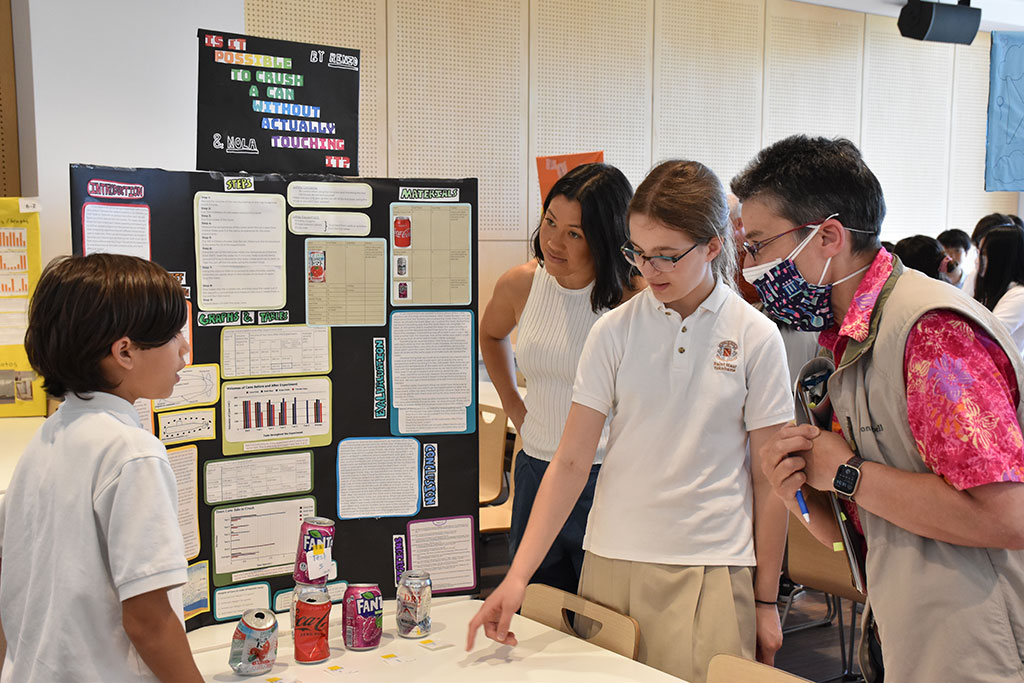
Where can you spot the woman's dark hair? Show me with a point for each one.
(922, 253)
(955, 239)
(1002, 263)
(808, 179)
(986, 223)
(83, 304)
(603, 193)
(687, 196)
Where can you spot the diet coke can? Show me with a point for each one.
(363, 609)
(403, 231)
(254, 644)
(313, 558)
(312, 615)
(413, 604)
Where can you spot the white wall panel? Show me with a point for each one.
(708, 59)
(968, 200)
(356, 24)
(457, 100)
(590, 84)
(813, 61)
(908, 88)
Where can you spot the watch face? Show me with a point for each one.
(846, 479)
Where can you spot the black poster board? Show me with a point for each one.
(164, 215)
(276, 106)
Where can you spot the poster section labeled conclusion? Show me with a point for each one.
(317, 384)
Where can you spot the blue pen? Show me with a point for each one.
(803, 506)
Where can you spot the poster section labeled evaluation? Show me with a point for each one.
(276, 106)
(310, 389)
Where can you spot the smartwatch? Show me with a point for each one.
(847, 477)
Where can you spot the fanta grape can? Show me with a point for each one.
(363, 609)
(313, 558)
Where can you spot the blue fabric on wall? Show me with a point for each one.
(1004, 148)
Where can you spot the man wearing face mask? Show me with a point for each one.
(926, 444)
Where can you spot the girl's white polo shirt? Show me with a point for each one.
(675, 486)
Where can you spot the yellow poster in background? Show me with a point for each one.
(21, 391)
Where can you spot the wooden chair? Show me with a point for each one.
(492, 425)
(497, 519)
(550, 606)
(816, 567)
(733, 669)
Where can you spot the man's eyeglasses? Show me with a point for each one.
(662, 264)
(753, 248)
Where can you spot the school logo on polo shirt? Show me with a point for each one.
(726, 356)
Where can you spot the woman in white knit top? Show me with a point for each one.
(554, 299)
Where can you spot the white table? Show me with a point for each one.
(543, 654)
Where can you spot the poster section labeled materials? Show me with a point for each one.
(185, 465)
(21, 390)
(232, 603)
(198, 385)
(196, 592)
(273, 354)
(347, 282)
(240, 250)
(256, 540)
(275, 351)
(276, 105)
(378, 478)
(433, 375)
(276, 415)
(445, 547)
(258, 476)
(431, 255)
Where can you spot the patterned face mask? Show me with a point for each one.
(791, 299)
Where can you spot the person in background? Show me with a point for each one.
(90, 587)
(1000, 282)
(554, 299)
(888, 246)
(984, 224)
(926, 436)
(691, 375)
(926, 255)
(957, 245)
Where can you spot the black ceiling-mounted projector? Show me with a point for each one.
(939, 22)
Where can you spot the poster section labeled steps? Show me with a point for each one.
(309, 390)
(276, 106)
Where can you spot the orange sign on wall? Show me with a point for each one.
(550, 169)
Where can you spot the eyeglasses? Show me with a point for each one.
(753, 248)
(662, 264)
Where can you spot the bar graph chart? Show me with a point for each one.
(14, 285)
(13, 237)
(282, 409)
(13, 261)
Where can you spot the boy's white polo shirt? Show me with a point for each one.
(675, 486)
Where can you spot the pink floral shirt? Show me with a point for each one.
(961, 389)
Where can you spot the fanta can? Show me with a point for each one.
(363, 610)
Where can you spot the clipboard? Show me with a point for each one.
(813, 406)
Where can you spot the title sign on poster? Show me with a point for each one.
(275, 105)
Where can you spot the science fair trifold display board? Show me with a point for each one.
(332, 371)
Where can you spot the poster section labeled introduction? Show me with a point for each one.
(308, 392)
(21, 391)
(276, 106)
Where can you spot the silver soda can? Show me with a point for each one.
(254, 644)
(413, 604)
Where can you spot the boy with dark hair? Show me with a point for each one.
(93, 558)
(928, 450)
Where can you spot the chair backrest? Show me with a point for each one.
(732, 669)
(610, 629)
(492, 426)
(817, 566)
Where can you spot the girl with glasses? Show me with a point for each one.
(554, 299)
(685, 534)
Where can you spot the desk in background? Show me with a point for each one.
(543, 654)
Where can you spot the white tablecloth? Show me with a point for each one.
(543, 654)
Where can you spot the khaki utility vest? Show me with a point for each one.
(945, 612)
